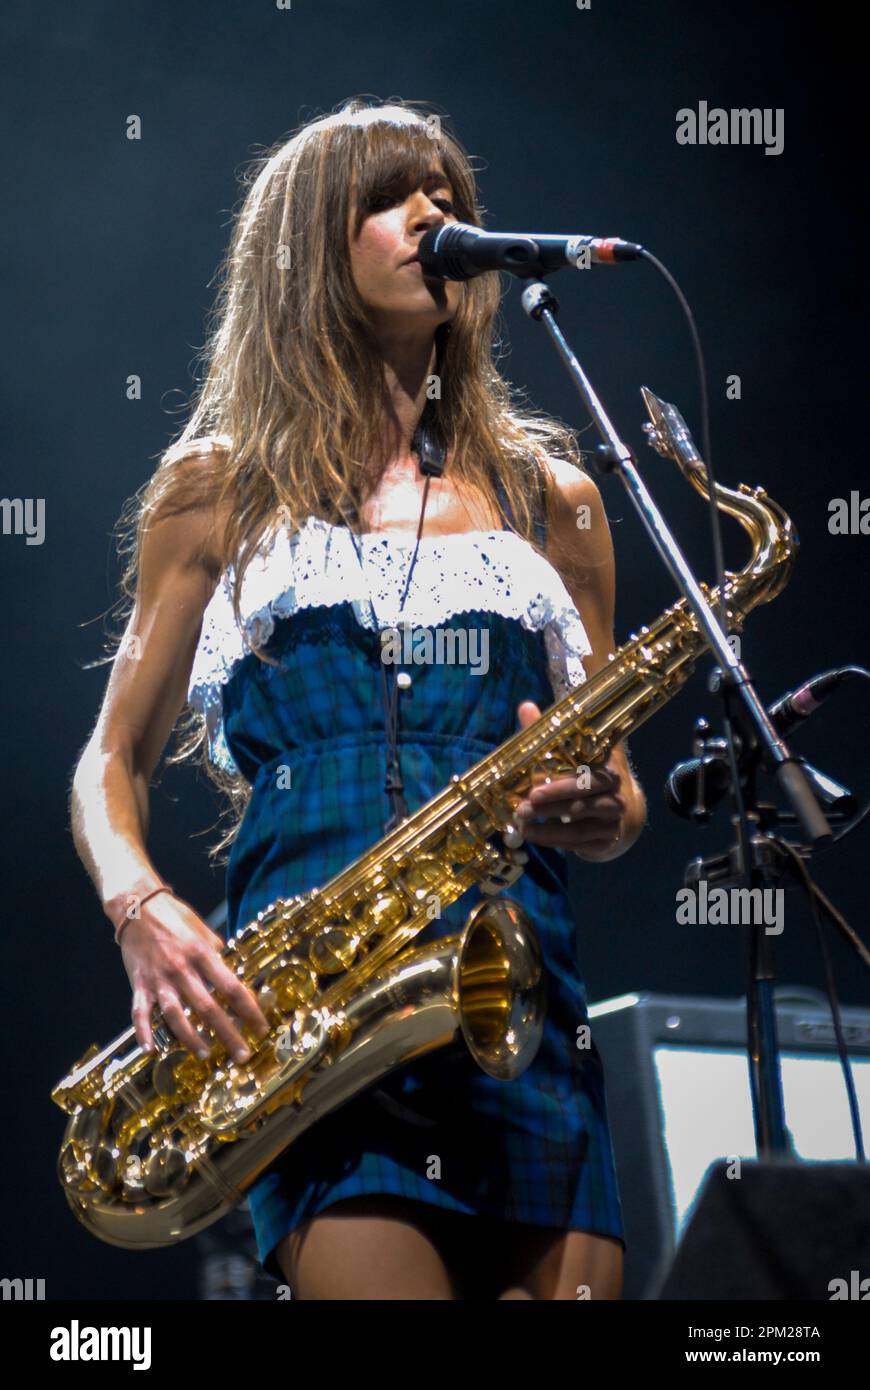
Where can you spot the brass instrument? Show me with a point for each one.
(156, 1148)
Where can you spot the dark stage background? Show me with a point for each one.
(108, 247)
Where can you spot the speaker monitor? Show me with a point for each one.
(775, 1229)
(679, 1101)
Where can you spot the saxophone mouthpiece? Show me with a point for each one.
(668, 432)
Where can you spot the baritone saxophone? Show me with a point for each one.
(159, 1146)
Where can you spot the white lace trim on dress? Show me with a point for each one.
(490, 571)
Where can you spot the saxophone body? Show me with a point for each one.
(157, 1147)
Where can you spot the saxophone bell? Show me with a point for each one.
(501, 987)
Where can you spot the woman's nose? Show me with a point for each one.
(432, 216)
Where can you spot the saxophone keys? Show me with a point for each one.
(460, 846)
(333, 950)
(88, 1159)
(423, 876)
(228, 1098)
(75, 1166)
(106, 1166)
(302, 1037)
(164, 1171)
(245, 936)
(388, 910)
(290, 982)
(163, 1076)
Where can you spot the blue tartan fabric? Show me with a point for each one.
(536, 1149)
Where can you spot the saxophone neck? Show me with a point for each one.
(772, 536)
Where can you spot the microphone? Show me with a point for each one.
(458, 251)
(682, 786)
(792, 709)
(789, 711)
(685, 783)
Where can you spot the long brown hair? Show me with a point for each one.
(288, 410)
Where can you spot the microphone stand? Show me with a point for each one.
(742, 705)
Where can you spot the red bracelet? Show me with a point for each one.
(129, 917)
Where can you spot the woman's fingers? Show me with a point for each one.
(527, 713)
(565, 800)
(241, 999)
(597, 785)
(594, 834)
(173, 959)
(607, 807)
(209, 1011)
(182, 1029)
(187, 990)
(563, 815)
(143, 1003)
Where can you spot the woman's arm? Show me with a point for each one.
(169, 952)
(145, 693)
(614, 804)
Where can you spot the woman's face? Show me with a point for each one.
(399, 296)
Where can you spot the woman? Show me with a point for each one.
(275, 543)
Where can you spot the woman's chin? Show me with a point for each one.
(414, 309)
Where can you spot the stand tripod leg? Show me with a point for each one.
(764, 1072)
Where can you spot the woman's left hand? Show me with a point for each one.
(586, 819)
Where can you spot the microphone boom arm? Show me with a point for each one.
(614, 456)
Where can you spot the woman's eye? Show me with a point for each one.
(377, 202)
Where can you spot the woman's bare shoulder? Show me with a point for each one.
(193, 511)
(578, 534)
(564, 475)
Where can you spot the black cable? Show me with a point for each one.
(393, 784)
(831, 989)
(715, 521)
(706, 444)
(740, 818)
(853, 824)
(865, 811)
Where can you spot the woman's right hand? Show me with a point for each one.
(171, 956)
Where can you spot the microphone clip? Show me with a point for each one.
(430, 447)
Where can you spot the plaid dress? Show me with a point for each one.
(440, 1130)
